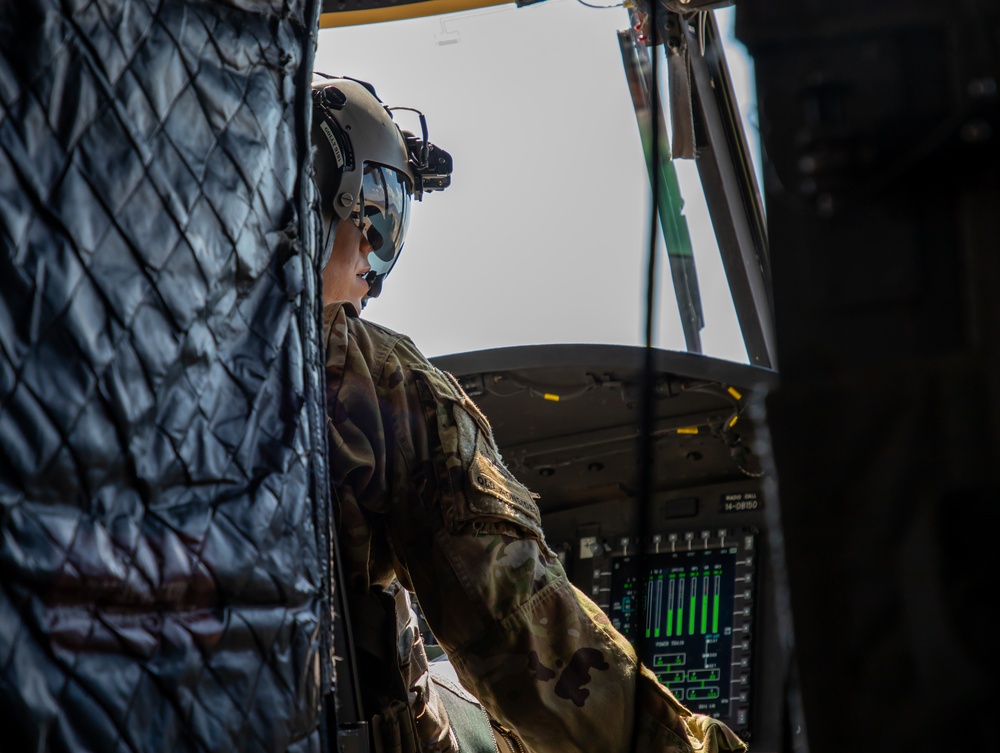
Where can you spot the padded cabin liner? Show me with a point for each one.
(162, 519)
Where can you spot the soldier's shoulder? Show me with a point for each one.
(381, 342)
(373, 330)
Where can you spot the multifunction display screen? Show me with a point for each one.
(688, 612)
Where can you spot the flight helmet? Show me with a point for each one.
(367, 169)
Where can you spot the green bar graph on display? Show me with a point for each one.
(649, 604)
(704, 605)
(680, 606)
(659, 599)
(670, 606)
(694, 601)
(715, 602)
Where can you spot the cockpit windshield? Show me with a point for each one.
(545, 236)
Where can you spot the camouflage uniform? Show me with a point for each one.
(426, 498)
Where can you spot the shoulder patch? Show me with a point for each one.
(490, 479)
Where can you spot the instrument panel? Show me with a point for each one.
(684, 575)
(691, 596)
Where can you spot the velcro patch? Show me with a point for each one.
(515, 500)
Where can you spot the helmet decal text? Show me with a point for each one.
(328, 132)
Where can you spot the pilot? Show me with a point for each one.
(425, 499)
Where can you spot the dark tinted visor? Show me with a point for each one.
(383, 213)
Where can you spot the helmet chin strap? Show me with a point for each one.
(329, 229)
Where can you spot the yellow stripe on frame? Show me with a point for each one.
(419, 9)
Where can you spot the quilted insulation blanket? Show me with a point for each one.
(162, 518)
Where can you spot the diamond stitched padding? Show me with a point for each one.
(161, 582)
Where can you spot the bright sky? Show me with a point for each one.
(543, 235)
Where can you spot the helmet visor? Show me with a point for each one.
(383, 213)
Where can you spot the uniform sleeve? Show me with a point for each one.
(467, 539)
